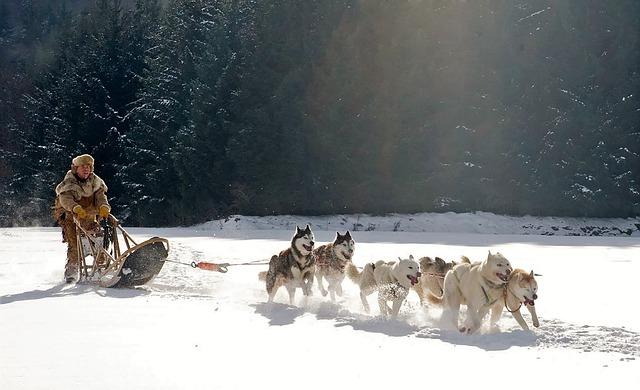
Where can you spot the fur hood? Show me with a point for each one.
(79, 189)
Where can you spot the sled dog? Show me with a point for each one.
(293, 267)
(431, 285)
(330, 262)
(521, 290)
(391, 279)
(478, 285)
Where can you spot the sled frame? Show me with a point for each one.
(104, 261)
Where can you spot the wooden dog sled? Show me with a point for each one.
(103, 260)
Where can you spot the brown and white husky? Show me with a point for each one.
(431, 284)
(521, 290)
(330, 262)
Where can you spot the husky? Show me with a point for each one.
(293, 267)
(478, 285)
(521, 290)
(431, 286)
(392, 280)
(330, 262)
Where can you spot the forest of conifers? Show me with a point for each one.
(197, 109)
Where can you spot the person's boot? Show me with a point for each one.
(71, 272)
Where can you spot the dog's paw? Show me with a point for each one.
(494, 329)
(466, 330)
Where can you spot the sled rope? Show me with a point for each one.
(255, 262)
(217, 267)
(222, 267)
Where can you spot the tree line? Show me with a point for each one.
(198, 109)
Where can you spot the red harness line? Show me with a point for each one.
(203, 265)
(221, 267)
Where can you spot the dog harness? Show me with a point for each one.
(504, 294)
(487, 298)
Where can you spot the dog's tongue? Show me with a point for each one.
(529, 302)
(413, 279)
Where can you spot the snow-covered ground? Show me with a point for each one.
(193, 329)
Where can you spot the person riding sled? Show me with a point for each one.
(81, 194)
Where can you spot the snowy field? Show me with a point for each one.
(193, 329)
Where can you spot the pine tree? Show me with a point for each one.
(178, 173)
(79, 106)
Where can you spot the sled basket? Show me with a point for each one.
(110, 266)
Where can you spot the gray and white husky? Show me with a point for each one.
(293, 267)
(330, 262)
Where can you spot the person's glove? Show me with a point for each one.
(104, 211)
(79, 211)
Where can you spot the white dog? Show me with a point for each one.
(391, 279)
(478, 285)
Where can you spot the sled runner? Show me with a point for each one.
(110, 266)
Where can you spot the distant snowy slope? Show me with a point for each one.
(479, 222)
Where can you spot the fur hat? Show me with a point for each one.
(83, 159)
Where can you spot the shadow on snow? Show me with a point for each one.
(64, 290)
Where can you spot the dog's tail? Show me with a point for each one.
(353, 273)
(356, 276)
(262, 276)
(434, 299)
(464, 259)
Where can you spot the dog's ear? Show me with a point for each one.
(440, 262)
(298, 230)
(410, 257)
(307, 229)
(453, 263)
(347, 235)
(399, 259)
